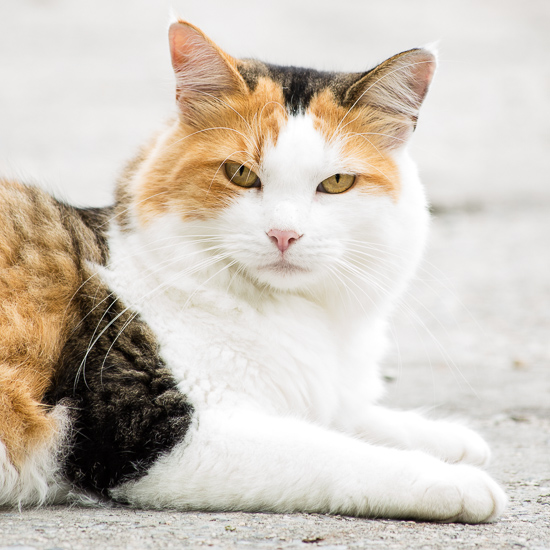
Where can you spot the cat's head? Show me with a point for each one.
(293, 177)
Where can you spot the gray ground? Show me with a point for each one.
(83, 83)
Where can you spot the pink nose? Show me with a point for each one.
(283, 239)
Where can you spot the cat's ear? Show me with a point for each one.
(204, 73)
(396, 89)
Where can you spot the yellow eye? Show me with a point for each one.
(336, 184)
(240, 175)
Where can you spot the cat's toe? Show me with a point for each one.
(455, 443)
(472, 448)
(484, 501)
(466, 495)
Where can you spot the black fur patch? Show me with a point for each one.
(299, 85)
(125, 406)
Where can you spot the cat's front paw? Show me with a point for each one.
(455, 443)
(461, 494)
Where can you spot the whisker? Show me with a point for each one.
(376, 284)
(158, 288)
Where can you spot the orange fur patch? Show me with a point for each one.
(184, 170)
(361, 131)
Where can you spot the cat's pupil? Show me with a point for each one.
(337, 178)
(241, 170)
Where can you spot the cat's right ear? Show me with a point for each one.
(204, 73)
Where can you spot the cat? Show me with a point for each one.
(211, 341)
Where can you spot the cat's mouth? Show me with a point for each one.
(284, 267)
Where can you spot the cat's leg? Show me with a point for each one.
(447, 440)
(29, 441)
(250, 461)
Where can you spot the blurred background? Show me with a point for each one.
(84, 83)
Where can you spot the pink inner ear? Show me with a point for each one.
(422, 71)
(181, 44)
(203, 71)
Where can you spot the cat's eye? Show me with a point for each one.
(336, 184)
(240, 175)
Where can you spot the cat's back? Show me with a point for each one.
(40, 231)
(44, 248)
(44, 245)
(38, 273)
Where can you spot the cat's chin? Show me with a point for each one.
(284, 268)
(284, 275)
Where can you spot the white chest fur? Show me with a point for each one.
(286, 355)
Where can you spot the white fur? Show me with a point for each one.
(280, 360)
(246, 460)
(39, 479)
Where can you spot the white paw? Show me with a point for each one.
(460, 493)
(455, 443)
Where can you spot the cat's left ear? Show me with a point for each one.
(395, 89)
(204, 73)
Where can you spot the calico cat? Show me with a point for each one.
(211, 341)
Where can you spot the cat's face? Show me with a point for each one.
(294, 177)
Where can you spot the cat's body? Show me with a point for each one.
(212, 341)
